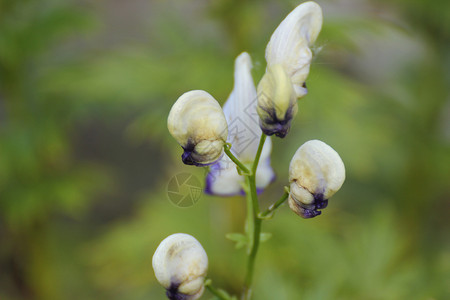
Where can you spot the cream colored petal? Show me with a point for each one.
(240, 111)
(223, 179)
(277, 101)
(317, 168)
(244, 135)
(180, 264)
(290, 43)
(198, 124)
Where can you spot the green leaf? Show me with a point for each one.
(240, 239)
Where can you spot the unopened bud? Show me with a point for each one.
(180, 264)
(198, 124)
(277, 102)
(316, 172)
(290, 44)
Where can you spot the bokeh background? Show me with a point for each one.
(85, 155)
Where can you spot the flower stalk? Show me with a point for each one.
(253, 222)
(238, 163)
(205, 131)
(268, 213)
(221, 294)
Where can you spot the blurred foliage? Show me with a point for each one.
(85, 156)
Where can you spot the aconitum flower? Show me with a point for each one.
(198, 124)
(180, 264)
(316, 172)
(288, 50)
(244, 135)
(277, 102)
(290, 44)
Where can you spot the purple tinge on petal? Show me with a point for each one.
(210, 177)
(214, 174)
(320, 202)
(279, 129)
(310, 213)
(272, 125)
(259, 190)
(188, 159)
(172, 293)
(230, 183)
(312, 210)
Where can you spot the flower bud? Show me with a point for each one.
(316, 172)
(290, 44)
(277, 102)
(198, 124)
(180, 264)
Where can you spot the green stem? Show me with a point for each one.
(218, 293)
(253, 222)
(250, 221)
(274, 206)
(235, 160)
(258, 153)
(253, 207)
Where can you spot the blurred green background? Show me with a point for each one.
(85, 156)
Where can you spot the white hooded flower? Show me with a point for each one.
(198, 124)
(288, 57)
(277, 102)
(290, 44)
(316, 172)
(180, 264)
(244, 135)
